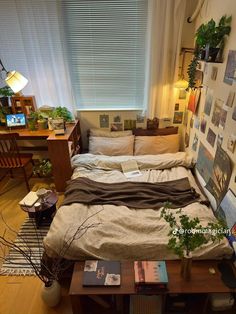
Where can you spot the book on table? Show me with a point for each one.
(150, 276)
(101, 273)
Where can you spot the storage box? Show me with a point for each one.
(221, 301)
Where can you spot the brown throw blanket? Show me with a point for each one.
(132, 194)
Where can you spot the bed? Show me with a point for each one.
(124, 232)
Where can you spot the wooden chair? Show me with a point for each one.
(10, 158)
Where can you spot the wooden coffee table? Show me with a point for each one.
(46, 211)
(202, 282)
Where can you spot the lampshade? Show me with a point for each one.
(181, 84)
(15, 81)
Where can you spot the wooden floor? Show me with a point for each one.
(21, 295)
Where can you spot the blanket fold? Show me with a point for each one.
(140, 195)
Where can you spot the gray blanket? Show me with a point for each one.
(132, 194)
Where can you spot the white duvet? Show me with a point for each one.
(125, 233)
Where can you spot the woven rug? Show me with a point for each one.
(30, 240)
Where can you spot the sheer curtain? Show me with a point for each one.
(165, 24)
(31, 43)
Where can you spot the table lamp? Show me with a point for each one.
(14, 79)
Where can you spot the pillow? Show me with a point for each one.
(111, 146)
(103, 133)
(153, 145)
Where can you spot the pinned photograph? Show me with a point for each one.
(216, 112)
(203, 125)
(117, 119)
(208, 101)
(176, 107)
(230, 99)
(196, 123)
(214, 71)
(211, 137)
(195, 142)
(194, 99)
(129, 124)
(231, 143)
(204, 163)
(220, 139)
(234, 114)
(230, 70)
(116, 126)
(223, 117)
(178, 117)
(140, 118)
(104, 121)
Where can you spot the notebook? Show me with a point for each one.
(29, 199)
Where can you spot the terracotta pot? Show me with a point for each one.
(186, 265)
(51, 295)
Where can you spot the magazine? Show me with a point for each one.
(130, 169)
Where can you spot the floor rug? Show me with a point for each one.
(30, 241)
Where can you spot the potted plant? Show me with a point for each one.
(5, 92)
(32, 120)
(188, 234)
(62, 112)
(43, 168)
(211, 37)
(42, 120)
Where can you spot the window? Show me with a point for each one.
(106, 42)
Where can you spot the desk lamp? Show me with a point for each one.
(14, 79)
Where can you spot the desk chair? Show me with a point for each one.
(10, 158)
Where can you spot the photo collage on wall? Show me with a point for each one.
(116, 123)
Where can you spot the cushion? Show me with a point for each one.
(153, 145)
(103, 133)
(111, 146)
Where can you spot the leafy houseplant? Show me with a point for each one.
(5, 92)
(62, 112)
(210, 39)
(32, 120)
(188, 234)
(43, 168)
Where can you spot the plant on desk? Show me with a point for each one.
(32, 120)
(188, 234)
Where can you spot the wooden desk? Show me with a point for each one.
(60, 147)
(202, 282)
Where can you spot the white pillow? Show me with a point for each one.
(103, 133)
(111, 146)
(154, 145)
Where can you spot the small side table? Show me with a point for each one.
(45, 212)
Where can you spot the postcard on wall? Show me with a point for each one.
(178, 117)
(195, 142)
(227, 209)
(203, 125)
(204, 163)
(117, 119)
(218, 183)
(214, 71)
(234, 114)
(208, 101)
(230, 99)
(216, 112)
(220, 139)
(230, 70)
(223, 116)
(130, 169)
(196, 123)
(194, 99)
(140, 118)
(116, 126)
(211, 137)
(231, 143)
(129, 124)
(104, 121)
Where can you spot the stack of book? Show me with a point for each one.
(150, 277)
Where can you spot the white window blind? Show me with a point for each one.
(106, 42)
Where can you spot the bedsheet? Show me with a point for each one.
(120, 232)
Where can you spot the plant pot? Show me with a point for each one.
(51, 295)
(42, 124)
(186, 265)
(31, 124)
(211, 54)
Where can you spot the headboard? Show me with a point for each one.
(163, 131)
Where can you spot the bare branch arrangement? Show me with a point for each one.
(45, 273)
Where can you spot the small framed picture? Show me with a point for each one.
(231, 143)
(104, 121)
(178, 117)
